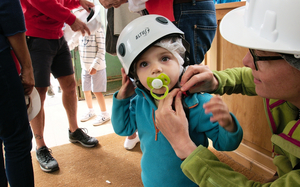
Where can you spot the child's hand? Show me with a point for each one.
(127, 88)
(92, 71)
(220, 113)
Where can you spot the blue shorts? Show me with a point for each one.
(94, 83)
(49, 56)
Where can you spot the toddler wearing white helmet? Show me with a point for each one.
(151, 51)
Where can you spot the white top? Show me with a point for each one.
(92, 50)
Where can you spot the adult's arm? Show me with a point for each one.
(205, 169)
(235, 80)
(13, 28)
(199, 78)
(62, 13)
(166, 117)
(19, 46)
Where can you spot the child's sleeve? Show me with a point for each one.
(227, 141)
(123, 116)
(99, 61)
(222, 140)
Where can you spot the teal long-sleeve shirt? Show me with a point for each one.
(159, 163)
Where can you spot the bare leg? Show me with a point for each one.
(69, 99)
(88, 98)
(38, 123)
(132, 136)
(100, 100)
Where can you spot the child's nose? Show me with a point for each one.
(157, 69)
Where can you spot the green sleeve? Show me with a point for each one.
(235, 80)
(205, 169)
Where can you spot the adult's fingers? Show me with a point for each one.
(197, 78)
(178, 104)
(86, 5)
(85, 29)
(168, 101)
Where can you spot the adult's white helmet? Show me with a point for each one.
(268, 25)
(141, 33)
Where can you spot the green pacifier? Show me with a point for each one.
(156, 83)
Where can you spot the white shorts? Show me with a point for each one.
(94, 83)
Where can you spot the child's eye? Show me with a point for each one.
(143, 64)
(164, 59)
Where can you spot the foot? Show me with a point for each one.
(87, 116)
(47, 162)
(80, 136)
(101, 119)
(131, 143)
(50, 91)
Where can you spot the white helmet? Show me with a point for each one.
(141, 33)
(268, 25)
(33, 103)
(92, 20)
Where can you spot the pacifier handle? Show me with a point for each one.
(161, 97)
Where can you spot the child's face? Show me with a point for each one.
(153, 62)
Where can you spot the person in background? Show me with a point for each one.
(50, 53)
(272, 71)
(92, 58)
(151, 51)
(92, 55)
(15, 132)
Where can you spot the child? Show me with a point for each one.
(92, 57)
(151, 51)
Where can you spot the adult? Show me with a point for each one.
(50, 54)
(272, 71)
(15, 132)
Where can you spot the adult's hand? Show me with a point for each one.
(112, 3)
(27, 80)
(78, 25)
(86, 4)
(174, 124)
(198, 78)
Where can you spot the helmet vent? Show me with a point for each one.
(122, 50)
(162, 20)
